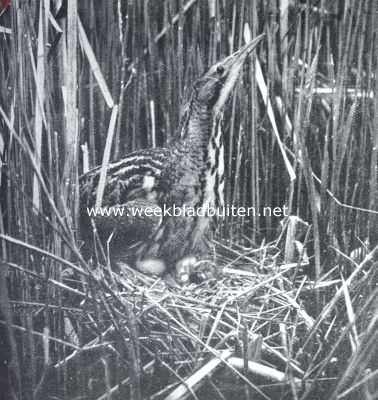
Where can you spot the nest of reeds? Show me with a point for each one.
(149, 337)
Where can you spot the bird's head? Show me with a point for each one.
(214, 87)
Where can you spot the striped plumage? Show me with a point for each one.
(189, 172)
(125, 178)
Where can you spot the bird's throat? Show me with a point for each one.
(201, 147)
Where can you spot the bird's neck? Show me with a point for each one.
(201, 141)
(196, 123)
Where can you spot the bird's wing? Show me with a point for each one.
(132, 187)
(137, 176)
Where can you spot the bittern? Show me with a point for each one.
(189, 172)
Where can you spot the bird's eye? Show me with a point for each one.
(220, 69)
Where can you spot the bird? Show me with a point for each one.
(187, 173)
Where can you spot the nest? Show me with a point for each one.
(150, 337)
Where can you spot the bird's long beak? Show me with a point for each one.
(232, 66)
